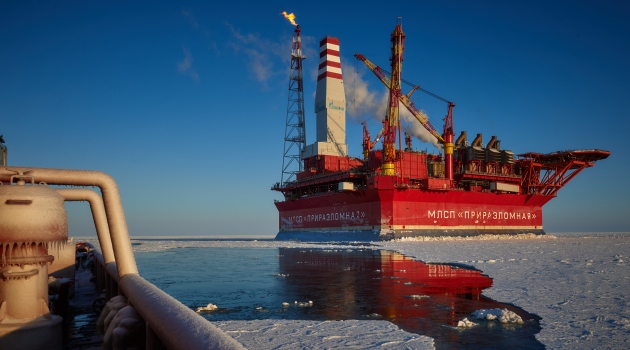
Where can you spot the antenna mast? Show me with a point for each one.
(295, 131)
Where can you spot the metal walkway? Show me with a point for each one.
(79, 325)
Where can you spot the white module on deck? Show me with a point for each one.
(504, 187)
(330, 104)
(345, 186)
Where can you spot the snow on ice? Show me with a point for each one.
(350, 334)
(466, 323)
(501, 315)
(578, 284)
(209, 307)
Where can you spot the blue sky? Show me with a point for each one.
(184, 103)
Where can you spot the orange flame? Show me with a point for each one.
(290, 17)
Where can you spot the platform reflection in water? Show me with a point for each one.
(343, 284)
(426, 299)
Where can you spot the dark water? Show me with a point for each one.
(253, 283)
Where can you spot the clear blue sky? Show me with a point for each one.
(184, 103)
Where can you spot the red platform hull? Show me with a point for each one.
(358, 203)
(391, 213)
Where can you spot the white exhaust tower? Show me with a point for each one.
(330, 104)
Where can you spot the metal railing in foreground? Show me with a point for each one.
(169, 323)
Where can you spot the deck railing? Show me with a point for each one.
(169, 323)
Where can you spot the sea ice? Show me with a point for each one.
(582, 302)
(209, 307)
(501, 315)
(466, 323)
(302, 334)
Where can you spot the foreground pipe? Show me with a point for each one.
(177, 326)
(98, 214)
(121, 243)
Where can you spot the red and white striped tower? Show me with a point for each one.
(329, 62)
(330, 103)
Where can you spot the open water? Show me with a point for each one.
(248, 283)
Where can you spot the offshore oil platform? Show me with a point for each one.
(394, 191)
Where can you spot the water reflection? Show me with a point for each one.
(343, 284)
(427, 299)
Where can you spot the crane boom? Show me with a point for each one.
(367, 141)
(392, 122)
(404, 98)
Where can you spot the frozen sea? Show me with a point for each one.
(571, 290)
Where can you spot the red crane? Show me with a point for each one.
(395, 95)
(367, 141)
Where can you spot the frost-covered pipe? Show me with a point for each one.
(111, 198)
(184, 329)
(98, 214)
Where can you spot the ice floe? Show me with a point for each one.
(466, 323)
(501, 315)
(209, 307)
